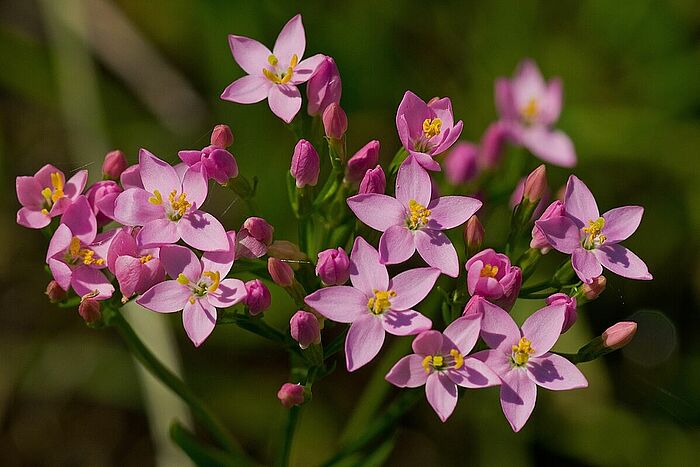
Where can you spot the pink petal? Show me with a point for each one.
(202, 231)
(464, 332)
(424, 160)
(442, 108)
(428, 342)
(178, 260)
(81, 220)
(555, 372)
(622, 261)
(441, 393)
(364, 339)
(230, 292)
(586, 264)
(221, 261)
(579, 202)
(474, 374)
(157, 174)
(543, 328)
(86, 280)
(60, 241)
(377, 211)
(552, 146)
(562, 233)
(43, 176)
(342, 304)
(152, 273)
(128, 272)
(131, 177)
(166, 297)
(528, 84)
(123, 244)
(404, 131)
(498, 329)
(437, 250)
(408, 372)
(414, 111)
(102, 244)
(518, 395)
(448, 212)
(158, 232)
(621, 222)
(413, 183)
(396, 245)
(29, 192)
(503, 96)
(250, 54)
(366, 272)
(199, 319)
(32, 219)
(412, 286)
(248, 89)
(551, 102)
(76, 184)
(496, 360)
(405, 323)
(449, 138)
(133, 208)
(284, 101)
(290, 41)
(306, 68)
(194, 185)
(61, 272)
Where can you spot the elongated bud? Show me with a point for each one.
(324, 88)
(619, 335)
(114, 164)
(333, 266)
(535, 184)
(305, 164)
(363, 160)
(221, 136)
(291, 395)
(374, 181)
(89, 310)
(259, 229)
(473, 236)
(55, 292)
(493, 144)
(335, 121)
(305, 329)
(461, 163)
(594, 289)
(258, 297)
(280, 272)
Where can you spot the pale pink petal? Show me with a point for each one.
(166, 297)
(414, 111)
(551, 102)
(498, 329)
(528, 84)
(152, 273)
(221, 261)
(404, 131)
(290, 41)
(133, 208)
(441, 393)
(366, 272)
(503, 95)
(496, 360)
(29, 192)
(621, 222)
(203, 231)
(364, 339)
(579, 202)
(474, 374)
(622, 261)
(553, 146)
(405, 323)
(158, 232)
(561, 232)
(85, 280)
(412, 286)
(424, 160)
(61, 272)
(449, 138)
(543, 327)
(284, 101)
(199, 319)
(178, 260)
(377, 211)
(128, 273)
(60, 241)
(342, 304)
(250, 54)
(396, 245)
(248, 89)
(442, 108)
(76, 184)
(102, 244)
(437, 250)
(43, 176)
(450, 211)
(428, 343)
(408, 372)
(474, 276)
(123, 244)
(230, 292)
(81, 220)
(555, 372)
(464, 332)
(157, 174)
(518, 395)
(194, 185)
(131, 177)
(413, 183)
(586, 264)
(32, 219)
(306, 68)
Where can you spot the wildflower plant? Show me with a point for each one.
(434, 276)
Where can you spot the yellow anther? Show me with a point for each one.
(215, 280)
(179, 203)
(381, 301)
(271, 76)
(458, 359)
(438, 361)
(46, 193)
(145, 259)
(431, 127)
(272, 60)
(191, 299)
(286, 76)
(522, 351)
(293, 62)
(427, 362)
(594, 230)
(57, 182)
(489, 271)
(419, 215)
(156, 199)
(74, 247)
(182, 279)
(531, 109)
(45, 212)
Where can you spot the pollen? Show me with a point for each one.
(215, 278)
(489, 270)
(419, 215)
(86, 255)
(52, 195)
(458, 359)
(179, 203)
(272, 60)
(427, 363)
(531, 109)
(156, 199)
(522, 352)
(381, 301)
(145, 259)
(431, 127)
(285, 76)
(182, 279)
(594, 229)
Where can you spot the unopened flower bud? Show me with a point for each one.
(259, 229)
(291, 395)
(570, 308)
(460, 163)
(594, 289)
(102, 196)
(305, 164)
(333, 266)
(280, 272)
(363, 160)
(55, 292)
(473, 235)
(493, 143)
(374, 181)
(257, 296)
(535, 184)
(335, 121)
(114, 164)
(539, 241)
(89, 310)
(324, 88)
(305, 329)
(221, 136)
(619, 335)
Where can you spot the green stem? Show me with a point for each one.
(288, 437)
(536, 287)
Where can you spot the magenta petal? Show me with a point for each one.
(29, 192)
(158, 232)
(81, 220)
(441, 393)
(413, 110)
(474, 374)
(449, 138)
(408, 372)
(61, 272)
(203, 231)
(366, 272)
(32, 219)
(405, 323)
(396, 245)
(428, 343)
(194, 185)
(562, 233)
(290, 41)
(247, 90)
(250, 54)
(412, 286)
(621, 222)
(230, 292)
(122, 244)
(87, 280)
(552, 146)
(437, 250)
(413, 183)
(128, 272)
(133, 208)
(543, 328)
(503, 95)
(75, 185)
(586, 265)
(157, 174)
(518, 395)
(364, 339)
(464, 332)
(284, 101)
(579, 202)
(60, 241)
(178, 260)
(622, 261)
(404, 131)
(43, 175)
(377, 211)
(342, 304)
(152, 273)
(448, 212)
(166, 297)
(498, 329)
(199, 319)
(555, 372)
(221, 261)
(424, 160)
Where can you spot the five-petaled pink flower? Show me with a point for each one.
(46, 194)
(414, 221)
(168, 207)
(593, 240)
(374, 304)
(198, 287)
(137, 269)
(530, 107)
(441, 363)
(273, 75)
(522, 359)
(426, 130)
(490, 275)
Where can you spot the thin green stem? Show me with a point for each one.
(536, 287)
(287, 437)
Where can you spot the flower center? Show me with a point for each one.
(521, 352)
(145, 259)
(418, 215)
(51, 196)
(440, 362)
(594, 237)
(530, 110)
(178, 203)
(280, 76)
(74, 255)
(431, 127)
(208, 283)
(489, 270)
(381, 301)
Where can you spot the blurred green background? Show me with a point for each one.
(81, 77)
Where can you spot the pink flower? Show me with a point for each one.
(102, 196)
(556, 209)
(76, 253)
(619, 334)
(333, 266)
(440, 362)
(593, 240)
(114, 164)
(218, 163)
(531, 107)
(490, 275)
(493, 144)
(569, 308)
(46, 195)
(305, 164)
(131, 177)
(137, 269)
(168, 207)
(414, 221)
(374, 181)
(461, 163)
(272, 75)
(198, 288)
(290, 395)
(522, 359)
(221, 136)
(324, 87)
(257, 297)
(426, 130)
(363, 160)
(374, 304)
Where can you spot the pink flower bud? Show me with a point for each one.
(131, 177)
(570, 304)
(305, 329)
(460, 163)
(374, 181)
(362, 161)
(101, 196)
(280, 272)
(305, 164)
(539, 241)
(291, 395)
(257, 296)
(55, 292)
(259, 229)
(324, 87)
(619, 335)
(535, 184)
(221, 136)
(594, 289)
(89, 310)
(220, 164)
(335, 121)
(333, 266)
(493, 143)
(114, 164)
(474, 233)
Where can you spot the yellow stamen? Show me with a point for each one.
(272, 60)
(489, 271)
(271, 76)
(438, 361)
(458, 359)
(191, 299)
(45, 212)
(522, 352)
(57, 182)
(294, 61)
(594, 230)
(179, 203)
(431, 127)
(427, 361)
(286, 76)
(381, 301)
(418, 215)
(530, 110)
(74, 247)
(182, 279)
(88, 257)
(46, 193)
(215, 279)
(156, 199)
(145, 259)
